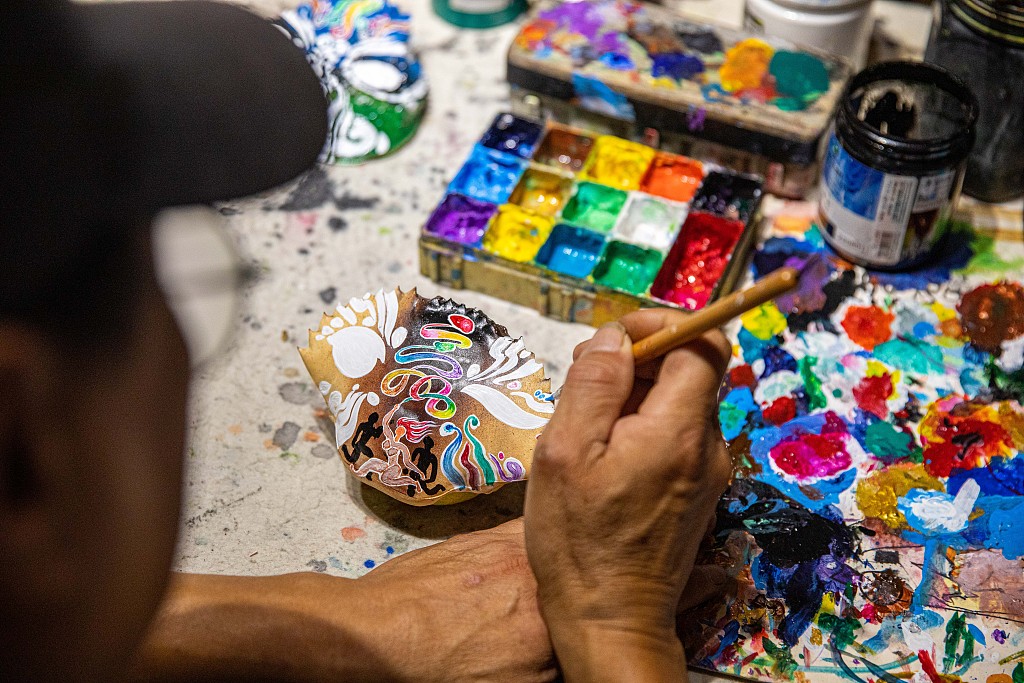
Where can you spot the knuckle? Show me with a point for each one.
(551, 453)
(596, 369)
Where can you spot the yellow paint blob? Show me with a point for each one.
(765, 321)
(878, 493)
(999, 678)
(618, 163)
(745, 65)
(876, 368)
(517, 234)
(943, 313)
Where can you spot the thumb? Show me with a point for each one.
(595, 390)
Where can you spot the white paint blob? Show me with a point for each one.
(503, 408)
(356, 350)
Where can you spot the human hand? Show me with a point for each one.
(624, 483)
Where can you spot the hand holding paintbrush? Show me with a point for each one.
(715, 315)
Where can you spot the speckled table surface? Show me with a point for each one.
(266, 491)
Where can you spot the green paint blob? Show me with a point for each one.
(783, 664)
(800, 79)
(1011, 383)
(595, 206)
(838, 393)
(844, 629)
(911, 355)
(959, 643)
(984, 258)
(887, 442)
(1018, 673)
(816, 398)
(627, 267)
(731, 418)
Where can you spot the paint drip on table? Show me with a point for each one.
(875, 527)
(374, 84)
(432, 401)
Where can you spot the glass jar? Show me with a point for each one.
(982, 41)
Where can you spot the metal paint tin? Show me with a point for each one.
(895, 163)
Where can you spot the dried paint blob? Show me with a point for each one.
(565, 149)
(517, 234)
(460, 219)
(571, 251)
(746, 65)
(542, 192)
(868, 326)
(618, 163)
(627, 267)
(375, 87)
(800, 79)
(512, 134)
(673, 177)
(488, 175)
(697, 260)
(432, 401)
(993, 314)
(595, 207)
(650, 222)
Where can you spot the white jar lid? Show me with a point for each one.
(821, 5)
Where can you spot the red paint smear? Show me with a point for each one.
(928, 667)
(462, 322)
(871, 393)
(474, 479)
(868, 326)
(978, 440)
(352, 533)
(697, 260)
(781, 411)
(742, 376)
(812, 456)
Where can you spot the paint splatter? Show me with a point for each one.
(993, 314)
(868, 326)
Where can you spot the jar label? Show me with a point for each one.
(881, 217)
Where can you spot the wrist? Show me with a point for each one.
(596, 653)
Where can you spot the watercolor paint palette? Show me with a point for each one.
(586, 227)
(752, 103)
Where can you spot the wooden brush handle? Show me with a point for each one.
(715, 315)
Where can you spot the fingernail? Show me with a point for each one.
(608, 338)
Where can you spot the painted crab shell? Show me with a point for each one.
(432, 401)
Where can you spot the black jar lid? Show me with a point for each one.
(1001, 20)
(892, 151)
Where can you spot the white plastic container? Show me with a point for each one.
(842, 27)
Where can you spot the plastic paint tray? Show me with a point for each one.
(585, 227)
(754, 103)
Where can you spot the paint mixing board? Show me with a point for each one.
(585, 227)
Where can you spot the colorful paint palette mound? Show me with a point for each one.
(614, 213)
(432, 402)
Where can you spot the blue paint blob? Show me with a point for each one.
(571, 251)
(676, 66)
(776, 251)
(923, 329)
(619, 61)
(389, 550)
(734, 411)
(488, 175)
(369, 564)
(1001, 477)
(512, 134)
(777, 359)
(752, 347)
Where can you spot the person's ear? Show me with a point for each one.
(27, 463)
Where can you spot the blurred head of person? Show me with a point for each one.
(107, 115)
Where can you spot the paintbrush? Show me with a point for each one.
(673, 336)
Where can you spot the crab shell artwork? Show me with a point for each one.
(374, 85)
(432, 402)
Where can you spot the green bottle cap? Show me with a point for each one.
(479, 13)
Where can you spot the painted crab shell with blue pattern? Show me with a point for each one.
(375, 88)
(432, 401)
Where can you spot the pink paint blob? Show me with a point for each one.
(813, 456)
(352, 533)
